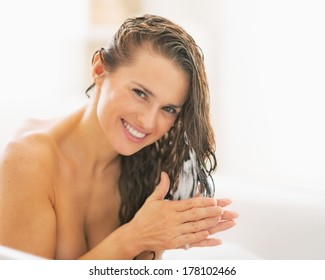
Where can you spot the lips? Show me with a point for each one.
(136, 134)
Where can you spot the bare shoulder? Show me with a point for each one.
(28, 160)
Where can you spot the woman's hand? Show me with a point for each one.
(163, 224)
(226, 222)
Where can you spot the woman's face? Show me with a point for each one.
(139, 102)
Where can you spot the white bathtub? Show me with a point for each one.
(7, 253)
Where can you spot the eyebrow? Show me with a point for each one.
(153, 95)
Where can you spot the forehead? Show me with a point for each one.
(157, 73)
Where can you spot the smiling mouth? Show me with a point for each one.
(133, 131)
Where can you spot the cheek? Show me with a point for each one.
(106, 110)
(108, 103)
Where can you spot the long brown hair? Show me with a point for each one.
(140, 172)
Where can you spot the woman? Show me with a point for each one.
(91, 185)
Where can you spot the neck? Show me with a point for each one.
(86, 143)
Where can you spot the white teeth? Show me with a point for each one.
(133, 131)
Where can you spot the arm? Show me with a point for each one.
(27, 218)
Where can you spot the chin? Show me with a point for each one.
(128, 151)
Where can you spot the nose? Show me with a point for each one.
(148, 119)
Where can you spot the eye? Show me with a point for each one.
(140, 93)
(170, 110)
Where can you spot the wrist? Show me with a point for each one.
(130, 240)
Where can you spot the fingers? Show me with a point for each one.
(199, 225)
(197, 214)
(209, 242)
(223, 202)
(227, 222)
(187, 204)
(198, 208)
(161, 189)
(189, 222)
(212, 224)
(222, 226)
(190, 238)
(229, 215)
(196, 201)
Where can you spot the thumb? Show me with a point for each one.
(162, 188)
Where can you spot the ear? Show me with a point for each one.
(97, 68)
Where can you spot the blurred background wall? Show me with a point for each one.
(264, 59)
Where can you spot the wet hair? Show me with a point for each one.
(192, 131)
